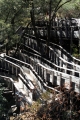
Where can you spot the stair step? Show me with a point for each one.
(7, 92)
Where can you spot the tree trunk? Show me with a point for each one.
(7, 49)
(48, 31)
(33, 23)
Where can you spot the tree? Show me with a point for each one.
(16, 13)
(13, 13)
(71, 9)
(77, 8)
(50, 7)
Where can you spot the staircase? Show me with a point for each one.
(25, 83)
(31, 71)
(60, 62)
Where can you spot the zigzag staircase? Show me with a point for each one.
(30, 68)
(59, 60)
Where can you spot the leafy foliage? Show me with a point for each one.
(71, 9)
(13, 13)
(17, 13)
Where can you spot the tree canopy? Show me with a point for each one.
(71, 9)
(14, 13)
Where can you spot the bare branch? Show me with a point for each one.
(7, 16)
(58, 7)
(62, 4)
(58, 4)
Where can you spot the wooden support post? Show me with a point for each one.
(60, 81)
(60, 63)
(38, 69)
(79, 40)
(71, 42)
(12, 69)
(5, 65)
(60, 38)
(16, 71)
(8, 65)
(53, 77)
(42, 73)
(70, 97)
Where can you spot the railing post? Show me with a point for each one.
(5, 65)
(35, 67)
(53, 77)
(60, 63)
(79, 41)
(39, 67)
(32, 43)
(60, 80)
(2, 63)
(16, 71)
(54, 58)
(70, 98)
(12, 86)
(60, 37)
(12, 69)
(43, 73)
(66, 64)
(71, 42)
(72, 73)
(8, 65)
(49, 53)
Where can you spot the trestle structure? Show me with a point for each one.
(53, 48)
(59, 69)
(23, 85)
(57, 55)
(59, 60)
(44, 74)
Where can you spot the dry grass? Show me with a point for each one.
(32, 111)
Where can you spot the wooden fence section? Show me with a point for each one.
(55, 77)
(57, 55)
(15, 67)
(60, 28)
